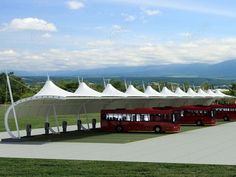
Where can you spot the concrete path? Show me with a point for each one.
(211, 145)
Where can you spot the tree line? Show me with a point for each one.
(21, 89)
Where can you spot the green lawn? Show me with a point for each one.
(38, 167)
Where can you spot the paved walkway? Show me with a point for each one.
(211, 145)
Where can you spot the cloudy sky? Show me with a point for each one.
(79, 34)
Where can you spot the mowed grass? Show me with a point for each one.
(38, 167)
(38, 122)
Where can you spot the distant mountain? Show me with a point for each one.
(225, 69)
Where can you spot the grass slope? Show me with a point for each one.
(38, 167)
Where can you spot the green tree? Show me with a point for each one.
(232, 90)
(118, 85)
(18, 86)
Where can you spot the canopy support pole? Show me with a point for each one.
(13, 106)
(56, 119)
(85, 111)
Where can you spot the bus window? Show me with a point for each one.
(115, 116)
(133, 118)
(156, 117)
(128, 117)
(173, 118)
(138, 118)
(124, 117)
(109, 116)
(182, 113)
(119, 117)
(146, 117)
(212, 114)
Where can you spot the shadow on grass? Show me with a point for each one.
(91, 136)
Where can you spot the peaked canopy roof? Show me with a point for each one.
(192, 93)
(180, 92)
(166, 92)
(85, 90)
(210, 92)
(50, 89)
(219, 93)
(132, 91)
(151, 92)
(202, 93)
(112, 91)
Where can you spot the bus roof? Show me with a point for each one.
(199, 107)
(139, 111)
(223, 106)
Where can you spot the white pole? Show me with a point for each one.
(184, 87)
(13, 107)
(125, 85)
(78, 80)
(159, 87)
(104, 83)
(56, 119)
(143, 86)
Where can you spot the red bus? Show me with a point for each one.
(199, 115)
(140, 119)
(225, 112)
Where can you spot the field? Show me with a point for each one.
(38, 167)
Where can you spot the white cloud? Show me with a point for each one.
(152, 12)
(128, 18)
(46, 35)
(203, 7)
(99, 54)
(100, 43)
(186, 34)
(75, 5)
(29, 24)
(118, 29)
(8, 53)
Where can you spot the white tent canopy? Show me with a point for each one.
(112, 92)
(180, 92)
(151, 92)
(86, 91)
(50, 89)
(132, 91)
(192, 93)
(202, 93)
(166, 92)
(219, 93)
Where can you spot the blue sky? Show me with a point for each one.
(80, 34)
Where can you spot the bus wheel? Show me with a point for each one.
(119, 129)
(199, 123)
(157, 129)
(226, 118)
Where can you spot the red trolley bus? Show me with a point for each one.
(199, 115)
(225, 112)
(141, 119)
